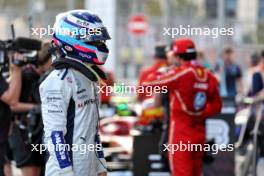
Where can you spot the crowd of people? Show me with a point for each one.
(227, 76)
(193, 96)
(58, 95)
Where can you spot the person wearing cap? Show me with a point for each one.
(160, 61)
(194, 96)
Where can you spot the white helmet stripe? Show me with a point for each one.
(78, 21)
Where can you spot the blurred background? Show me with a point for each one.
(246, 17)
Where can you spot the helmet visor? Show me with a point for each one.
(95, 34)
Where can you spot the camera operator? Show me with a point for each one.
(9, 94)
(30, 162)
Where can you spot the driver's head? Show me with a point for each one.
(184, 49)
(80, 35)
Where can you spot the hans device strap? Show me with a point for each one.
(60, 63)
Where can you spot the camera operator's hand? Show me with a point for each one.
(16, 58)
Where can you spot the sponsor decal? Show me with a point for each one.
(82, 23)
(81, 97)
(199, 100)
(61, 154)
(86, 102)
(85, 55)
(53, 99)
(68, 48)
(201, 86)
(54, 111)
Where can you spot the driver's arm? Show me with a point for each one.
(55, 96)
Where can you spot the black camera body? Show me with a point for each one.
(26, 46)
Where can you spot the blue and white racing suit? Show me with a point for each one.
(70, 117)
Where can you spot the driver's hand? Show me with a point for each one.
(102, 174)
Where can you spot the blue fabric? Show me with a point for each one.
(257, 83)
(232, 74)
(61, 153)
(70, 125)
(100, 152)
(64, 74)
(228, 78)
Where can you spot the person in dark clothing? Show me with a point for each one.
(9, 94)
(230, 74)
(253, 67)
(257, 83)
(257, 78)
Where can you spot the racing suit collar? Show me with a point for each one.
(92, 72)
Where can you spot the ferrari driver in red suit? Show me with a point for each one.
(194, 96)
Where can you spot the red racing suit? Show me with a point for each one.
(146, 72)
(194, 96)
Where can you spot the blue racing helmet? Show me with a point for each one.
(81, 35)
